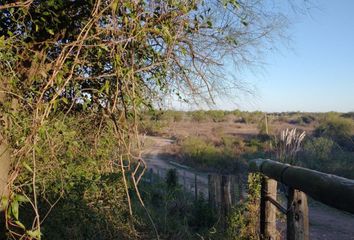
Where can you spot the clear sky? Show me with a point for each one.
(314, 74)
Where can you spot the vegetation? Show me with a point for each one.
(327, 146)
(79, 81)
(176, 213)
(75, 77)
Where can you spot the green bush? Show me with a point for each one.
(171, 179)
(151, 127)
(176, 214)
(216, 115)
(318, 151)
(302, 120)
(172, 116)
(200, 152)
(243, 221)
(198, 116)
(80, 194)
(338, 129)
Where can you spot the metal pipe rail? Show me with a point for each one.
(329, 189)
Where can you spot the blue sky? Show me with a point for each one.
(314, 74)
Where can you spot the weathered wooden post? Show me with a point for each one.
(268, 210)
(184, 181)
(195, 187)
(225, 195)
(215, 199)
(233, 183)
(151, 175)
(297, 217)
(212, 192)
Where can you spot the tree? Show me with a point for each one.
(102, 62)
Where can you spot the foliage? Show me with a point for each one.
(173, 116)
(78, 191)
(101, 63)
(151, 127)
(348, 115)
(323, 154)
(216, 115)
(176, 213)
(338, 129)
(200, 152)
(243, 221)
(319, 149)
(171, 179)
(198, 116)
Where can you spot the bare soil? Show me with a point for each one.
(330, 224)
(213, 130)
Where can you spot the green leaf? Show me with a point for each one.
(20, 225)
(21, 198)
(210, 24)
(2, 41)
(27, 167)
(50, 31)
(4, 202)
(55, 105)
(14, 209)
(104, 47)
(114, 5)
(34, 234)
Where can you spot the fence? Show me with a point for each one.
(192, 182)
(329, 189)
(221, 191)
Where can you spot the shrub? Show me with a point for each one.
(202, 215)
(338, 129)
(172, 116)
(198, 116)
(302, 120)
(243, 220)
(307, 119)
(202, 154)
(151, 128)
(348, 115)
(318, 151)
(216, 115)
(199, 151)
(171, 179)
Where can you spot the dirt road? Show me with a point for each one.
(187, 177)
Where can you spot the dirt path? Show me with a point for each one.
(330, 224)
(187, 177)
(325, 223)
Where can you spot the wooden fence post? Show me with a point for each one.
(268, 210)
(195, 187)
(184, 181)
(212, 190)
(232, 189)
(297, 217)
